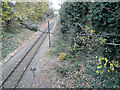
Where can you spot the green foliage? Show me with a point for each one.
(102, 18)
(61, 70)
(6, 14)
(62, 56)
(105, 18)
(97, 16)
(23, 11)
(34, 11)
(11, 42)
(30, 26)
(14, 17)
(8, 44)
(102, 77)
(88, 43)
(72, 16)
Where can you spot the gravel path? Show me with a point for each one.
(46, 75)
(28, 80)
(8, 66)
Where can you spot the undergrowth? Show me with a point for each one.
(85, 66)
(11, 41)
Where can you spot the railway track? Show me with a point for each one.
(14, 77)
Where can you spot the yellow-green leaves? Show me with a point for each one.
(103, 41)
(116, 63)
(97, 71)
(62, 56)
(32, 10)
(98, 67)
(89, 31)
(111, 64)
(92, 31)
(6, 13)
(101, 65)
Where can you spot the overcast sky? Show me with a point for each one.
(56, 4)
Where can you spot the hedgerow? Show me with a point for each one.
(94, 32)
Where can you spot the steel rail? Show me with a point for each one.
(30, 60)
(45, 29)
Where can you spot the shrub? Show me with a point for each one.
(104, 18)
(61, 70)
(103, 60)
(62, 56)
(102, 75)
(30, 26)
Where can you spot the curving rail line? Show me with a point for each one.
(14, 77)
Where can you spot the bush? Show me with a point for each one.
(104, 18)
(102, 76)
(62, 56)
(30, 26)
(102, 61)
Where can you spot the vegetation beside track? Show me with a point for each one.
(88, 39)
(19, 21)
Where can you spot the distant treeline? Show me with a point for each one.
(24, 11)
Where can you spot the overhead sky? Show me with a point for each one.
(56, 4)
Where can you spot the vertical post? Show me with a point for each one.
(1, 29)
(33, 71)
(49, 33)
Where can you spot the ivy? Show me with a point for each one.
(105, 19)
(102, 22)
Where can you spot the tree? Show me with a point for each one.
(6, 15)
